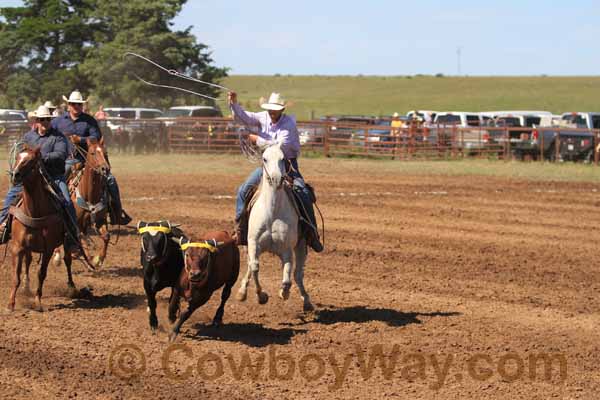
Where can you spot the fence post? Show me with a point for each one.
(557, 146)
(507, 146)
(596, 147)
(326, 140)
(541, 137)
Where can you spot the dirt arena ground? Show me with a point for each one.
(462, 283)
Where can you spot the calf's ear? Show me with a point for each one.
(141, 224)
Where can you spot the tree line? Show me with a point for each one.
(50, 47)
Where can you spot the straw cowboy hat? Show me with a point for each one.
(49, 104)
(42, 112)
(276, 103)
(75, 97)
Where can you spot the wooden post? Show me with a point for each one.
(326, 140)
(541, 138)
(557, 146)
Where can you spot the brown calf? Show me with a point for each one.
(209, 263)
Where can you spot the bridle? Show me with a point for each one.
(26, 171)
(284, 176)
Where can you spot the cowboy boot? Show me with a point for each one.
(313, 240)
(5, 230)
(125, 218)
(241, 232)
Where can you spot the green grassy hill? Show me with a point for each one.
(373, 95)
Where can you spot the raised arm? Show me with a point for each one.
(245, 117)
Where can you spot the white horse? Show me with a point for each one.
(273, 226)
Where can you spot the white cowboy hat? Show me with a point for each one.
(49, 104)
(75, 97)
(275, 102)
(42, 112)
(395, 115)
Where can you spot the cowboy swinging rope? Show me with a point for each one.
(246, 147)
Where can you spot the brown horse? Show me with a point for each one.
(36, 226)
(90, 198)
(209, 264)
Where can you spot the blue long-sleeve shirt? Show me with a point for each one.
(285, 129)
(53, 147)
(85, 126)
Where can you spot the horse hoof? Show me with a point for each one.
(308, 307)
(73, 292)
(172, 337)
(263, 298)
(217, 324)
(97, 262)
(284, 294)
(241, 296)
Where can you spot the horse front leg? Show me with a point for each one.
(286, 283)
(241, 295)
(68, 259)
(28, 259)
(301, 253)
(17, 259)
(41, 277)
(105, 235)
(253, 266)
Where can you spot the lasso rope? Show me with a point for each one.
(172, 72)
(246, 147)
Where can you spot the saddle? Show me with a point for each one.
(252, 196)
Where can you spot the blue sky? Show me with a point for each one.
(384, 37)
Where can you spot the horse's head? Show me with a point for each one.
(96, 157)
(198, 259)
(155, 238)
(274, 165)
(26, 162)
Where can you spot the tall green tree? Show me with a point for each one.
(50, 47)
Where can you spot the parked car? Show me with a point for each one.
(13, 124)
(190, 112)
(469, 138)
(427, 115)
(589, 120)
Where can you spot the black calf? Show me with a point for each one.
(162, 260)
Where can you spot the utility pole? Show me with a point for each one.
(458, 49)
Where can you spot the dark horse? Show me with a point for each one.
(37, 225)
(209, 264)
(90, 197)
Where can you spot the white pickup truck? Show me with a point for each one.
(589, 120)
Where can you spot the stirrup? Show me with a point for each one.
(4, 232)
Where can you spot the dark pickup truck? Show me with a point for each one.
(556, 143)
